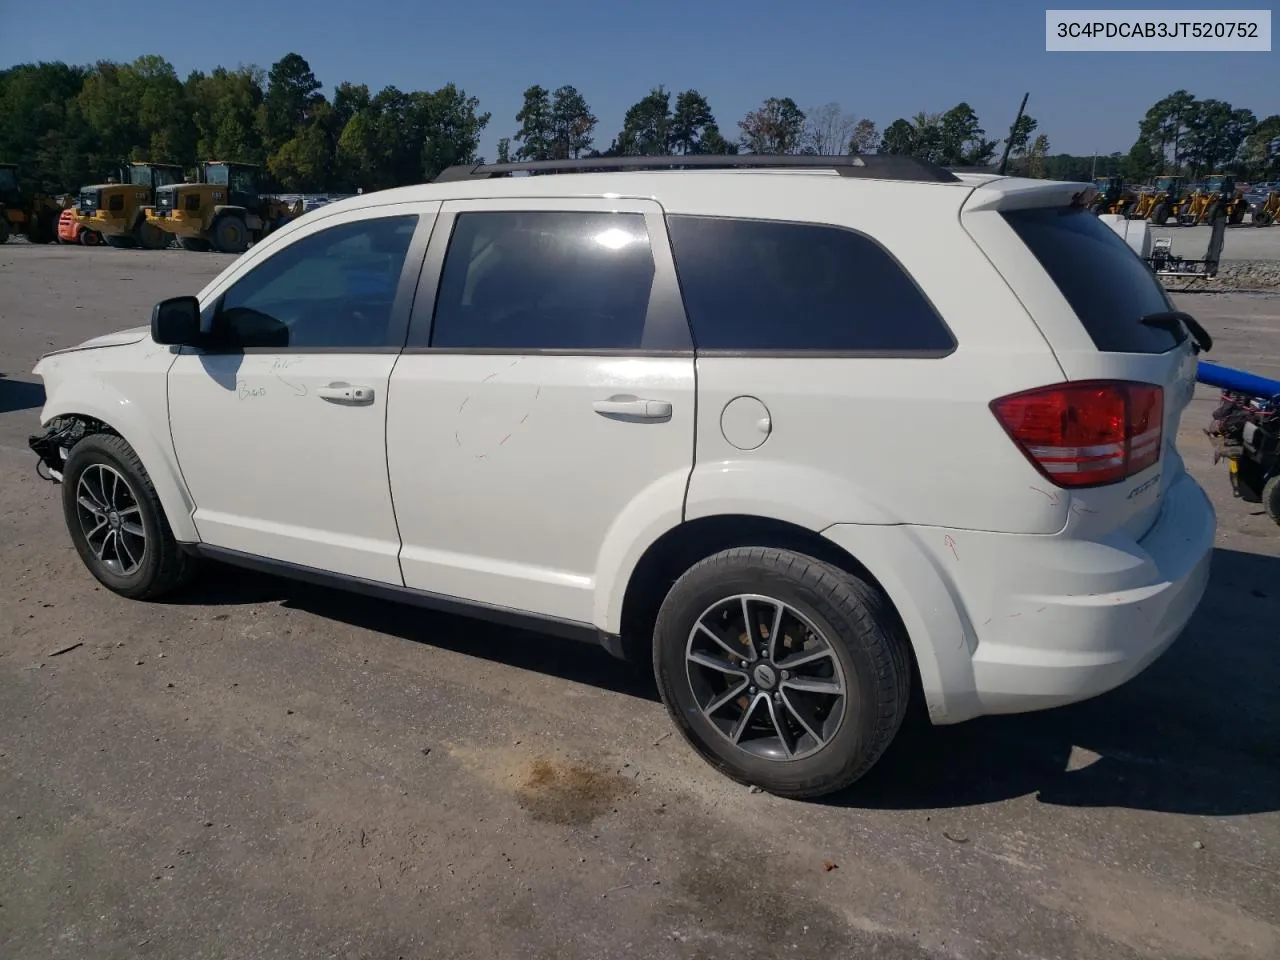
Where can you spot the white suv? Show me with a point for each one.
(812, 433)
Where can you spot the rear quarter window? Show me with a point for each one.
(1109, 287)
(779, 287)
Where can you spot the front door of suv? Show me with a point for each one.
(542, 417)
(280, 432)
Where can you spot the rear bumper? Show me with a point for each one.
(1009, 623)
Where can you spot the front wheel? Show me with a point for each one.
(782, 671)
(90, 238)
(1271, 498)
(194, 244)
(1160, 215)
(116, 521)
(230, 235)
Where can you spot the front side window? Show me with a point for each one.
(335, 288)
(545, 280)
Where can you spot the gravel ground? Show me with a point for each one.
(263, 770)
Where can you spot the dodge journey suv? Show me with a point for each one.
(815, 435)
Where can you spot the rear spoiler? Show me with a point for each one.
(1010, 193)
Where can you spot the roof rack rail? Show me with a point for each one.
(874, 166)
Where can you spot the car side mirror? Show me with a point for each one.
(176, 322)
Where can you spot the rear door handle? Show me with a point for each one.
(633, 409)
(347, 394)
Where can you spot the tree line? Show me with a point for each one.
(67, 125)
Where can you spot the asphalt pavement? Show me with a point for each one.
(259, 769)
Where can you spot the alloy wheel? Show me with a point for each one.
(111, 519)
(765, 677)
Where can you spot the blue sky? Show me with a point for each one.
(880, 60)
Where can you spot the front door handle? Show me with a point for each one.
(633, 409)
(347, 394)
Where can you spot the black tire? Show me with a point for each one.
(90, 238)
(858, 626)
(163, 565)
(120, 242)
(150, 237)
(1237, 213)
(4, 230)
(1262, 219)
(230, 235)
(194, 244)
(1160, 215)
(1271, 498)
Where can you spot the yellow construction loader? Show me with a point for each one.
(224, 211)
(115, 212)
(1112, 197)
(34, 216)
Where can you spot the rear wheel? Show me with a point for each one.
(120, 241)
(116, 521)
(230, 235)
(1160, 215)
(194, 244)
(1262, 219)
(90, 238)
(782, 671)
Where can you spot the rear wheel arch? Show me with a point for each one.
(692, 541)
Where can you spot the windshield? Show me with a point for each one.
(163, 176)
(1213, 184)
(215, 173)
(1164, 184)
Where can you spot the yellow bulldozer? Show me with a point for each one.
(115, 212)
(1112, 197)
(223, 211)
(34, 216)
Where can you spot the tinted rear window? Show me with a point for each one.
(1109, 287)
(771, 286)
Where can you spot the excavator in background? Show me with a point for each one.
(35, 216)
(115, 212)
(223, 211)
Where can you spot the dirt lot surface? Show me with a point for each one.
(264, 770)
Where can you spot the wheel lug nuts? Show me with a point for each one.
(777, 697)
(751, 690)
(786, 674)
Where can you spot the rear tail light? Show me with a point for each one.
(1086, 434)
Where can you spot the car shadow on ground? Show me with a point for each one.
(1198, 732)
(19, 395)
(551, 655)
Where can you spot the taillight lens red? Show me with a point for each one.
(1089, 433)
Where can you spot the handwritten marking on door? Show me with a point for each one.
(284, 363)
(246, 392)
(951, 544)
(1053, 497)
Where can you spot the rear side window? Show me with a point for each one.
(763, 285)
(1109, 286)
(545, 280)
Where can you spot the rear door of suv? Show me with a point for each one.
(1100, 308)
(542, 413)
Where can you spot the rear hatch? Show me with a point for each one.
(1106, 319)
